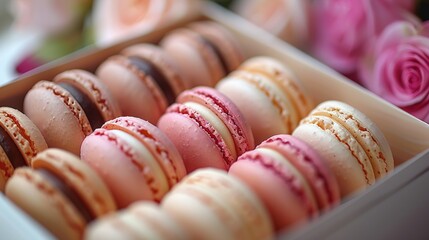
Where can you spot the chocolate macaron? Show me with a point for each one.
(61, 192)
(20, 141)
(69, 108)
(144, 80)
(205, 52)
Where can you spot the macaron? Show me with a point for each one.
(69, 108)
(268, 94)
(354, 147)
(134, 158)
(20, 141)
(143, 79)
(205, 52)
(207, 129)
(290, 177)
(141, 220)
(210, 204)
(61, 192)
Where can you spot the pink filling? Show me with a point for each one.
(159, 148)
(208, 128)
(128, 151)
(239, 139)
(282, 173)
(310, 162)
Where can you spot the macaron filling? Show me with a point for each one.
(156, 74)
(217, 123)
(205, 125)
(292, 176)
(91, 110)
(69, 192)
(12, 151)
(309, 163)
(145, 163)
(217, 52)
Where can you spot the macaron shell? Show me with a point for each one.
(283, 199)
(156, 141)
(194, 216)
(142, 220)
(128, 172)
(227, 111)
(57, 114)
(220, 206)
(352, 175)
(217, 34)
(131, 88)
(162, 60)
(256, 114)
(193, 143)
(198, 63)
(364, 130)
(88, 84)
(47, 206)
(237, 200)
(26, 136)
(80, 176)
(210, 204)
(310, 164)
(287, 81)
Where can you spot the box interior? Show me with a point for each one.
(407, 136)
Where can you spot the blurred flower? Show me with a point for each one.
(287, 19)
(118, 20)
(405, 4)
(49, 17)
(345, 28)
(57, 23)
(398, 68)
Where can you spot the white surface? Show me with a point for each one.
(14, 224)
(13, 46)
(395, 208)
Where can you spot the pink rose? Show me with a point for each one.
(405, 4)
(118, 20)
(398, 68)
(287, 19)
(49, 17)
(344, 28)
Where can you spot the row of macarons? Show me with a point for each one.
(206, 127)
(137, 161)
(134, 167)
(141, 81)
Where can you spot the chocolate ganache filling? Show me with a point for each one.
(217, 52)
(89, 107)
(156, 74)
(12, 151)
(69, 192)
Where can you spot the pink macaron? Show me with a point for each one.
(69, 108)
(144, 79)
(207, 129)
(290, 177)
(205, 52)
(20, 141)
(135, 159)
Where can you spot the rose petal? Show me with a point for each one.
(394, 34)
